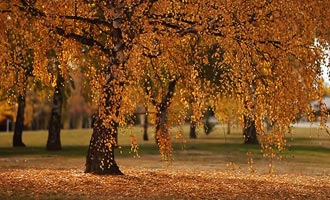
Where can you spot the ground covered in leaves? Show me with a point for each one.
(204, 169)
(158, 184)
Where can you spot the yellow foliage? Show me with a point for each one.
(6, 110)
(264, 63)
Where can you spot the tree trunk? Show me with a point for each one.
(163, 138)
(54, 139)
(208, 126)
(145, 127)
(100, 157)
(193, 134)
(250, 131)
(19, 125)
(228, 127)
(161, 125)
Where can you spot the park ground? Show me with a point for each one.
(217, 166)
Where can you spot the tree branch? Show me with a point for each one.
(28, 7)
(170, 92)
(91, 21)
(275, 43)
(148, 88)
(83, 40)
(5, 11)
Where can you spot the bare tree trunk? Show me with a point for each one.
(250, 131)
(161, 125)
(145, 126)
(54, 131)
(19, 125)
(192, 133)
(208, 126)
(228, 127)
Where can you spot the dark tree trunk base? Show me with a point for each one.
(19, 125)
(250, 132)
(192, 134)
(19, 144)
(54, 147)
(54, 130)
(95, 169)
(145, 127)
(100, 157)
(145, 137)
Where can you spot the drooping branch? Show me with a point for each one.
(31, 9)
(170, 92)
(275, 43)
(148, 90)
(5, 11)
(83, 40)
(95, 21)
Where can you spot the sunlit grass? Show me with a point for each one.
(308, 149)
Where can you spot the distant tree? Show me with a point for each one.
(39, 107)
(79, 107)
(60, 67)
(18, 63)
(145, 125)
(6, 114)
(54, 129)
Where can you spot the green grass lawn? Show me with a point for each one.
(307, 152)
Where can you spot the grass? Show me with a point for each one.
(307, 151)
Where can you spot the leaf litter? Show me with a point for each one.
(158, 184)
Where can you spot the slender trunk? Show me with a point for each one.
(19, 125)
(161, 111)
(161, 125)
(208, 125)
(228, 127)
(250, 131)
(192, 133)
(145, 127)
(193, 124)
(163, 138)
(54, 139)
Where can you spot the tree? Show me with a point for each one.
(54, 130)
(145, 126)
(6, 114)
(268, 45)
(215, 77)
(18, 59)
(38, 105)
(79, 108)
